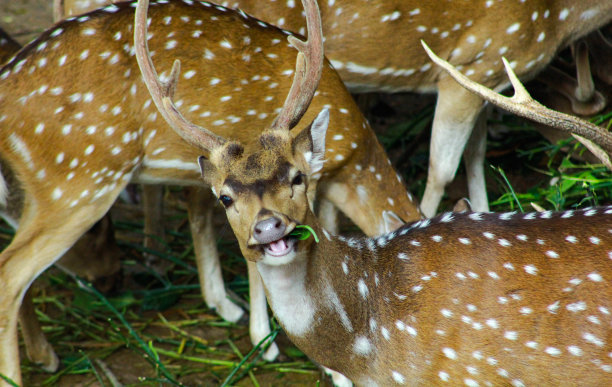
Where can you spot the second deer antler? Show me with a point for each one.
(308, 70)
(592, 136)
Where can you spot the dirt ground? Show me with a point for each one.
(25, 19)
(96, 346)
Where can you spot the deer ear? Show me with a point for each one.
(391, 221)
(463, 205)
(311, 142)
(206, 169)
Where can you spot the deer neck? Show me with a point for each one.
(289, 291)
(323, 307)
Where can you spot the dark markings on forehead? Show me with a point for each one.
(269, 141)
(262, 165)
(253, 163)
(231, 154)
(234, 150)
(252, 184)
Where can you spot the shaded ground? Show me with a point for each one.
(164, 317)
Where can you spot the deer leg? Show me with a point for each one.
(259, 321)
(456, 113)
(38, 349)
(602, 55)
(99, 241)
(337, 378)
(9, 349)
(200, 209)
(39, 241)
(328, 215)
(474, 156)
(153, 205)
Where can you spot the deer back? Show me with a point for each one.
(86, 119)
(473, 35)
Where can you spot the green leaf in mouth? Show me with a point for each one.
(303, 231)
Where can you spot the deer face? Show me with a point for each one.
(264, 189)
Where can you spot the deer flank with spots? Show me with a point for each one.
(417, 305)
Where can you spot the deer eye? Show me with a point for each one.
(298, 179)
(226, 200)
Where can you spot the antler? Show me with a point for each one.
(163, 92)
(308, 70)
(592, 136)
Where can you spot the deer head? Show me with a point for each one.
(265, 191)
(264, 186)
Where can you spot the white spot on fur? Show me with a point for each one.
(362, 346)
(363, 288)
(399, 378)
(449, 353)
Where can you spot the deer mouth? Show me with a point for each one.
(281, 247)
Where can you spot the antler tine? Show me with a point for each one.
(308, 70)
(592, 136)
(162, 93)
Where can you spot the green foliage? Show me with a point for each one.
(564, 181)
(303, 232)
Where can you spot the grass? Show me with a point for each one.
(546, 173)
(158, 323)
(157, 330)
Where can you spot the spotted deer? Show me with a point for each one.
(472, 35)
(200, 213)
(98, 242)
(78, 125)
(467, 298)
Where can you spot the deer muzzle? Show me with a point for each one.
(271, 234)
(269, 230)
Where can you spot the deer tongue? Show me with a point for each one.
(278, 246)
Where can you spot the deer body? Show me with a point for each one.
(469, 298)
(375, 45)
(99, 241)
(473, 35)
(78, 124)
(465, 298)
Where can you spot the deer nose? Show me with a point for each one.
(269, 230)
